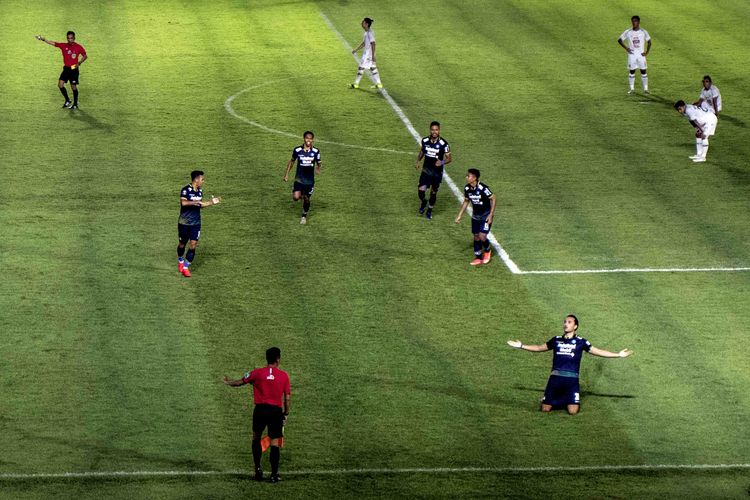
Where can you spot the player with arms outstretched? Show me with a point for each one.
(562, 387)
(73, 56)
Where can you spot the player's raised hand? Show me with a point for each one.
(625, 353)
(515, 343)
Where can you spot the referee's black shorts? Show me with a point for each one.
(69, 74)
(268, 416)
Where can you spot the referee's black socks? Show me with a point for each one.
(64, 92)
(275, 454)
(75, 97)
(257, 452)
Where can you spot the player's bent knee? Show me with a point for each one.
(573, 409)
(545, 408)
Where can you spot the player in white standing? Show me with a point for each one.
(637, 39)
(368, 56)
(710, 98)
(705, 126)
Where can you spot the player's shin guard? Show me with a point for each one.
(631, 80)
(64, 92)
(433, 199)
(477, 248)
(190, 256)
(75, 97)
(275, 455)
(360, 72)
(257, 452)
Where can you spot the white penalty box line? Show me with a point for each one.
(512, 266)
(374, 471)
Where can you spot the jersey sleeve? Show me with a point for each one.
(372, 36)
(466, 193)
(586, 345)
(551, 343)
(58, 44)
(294, 154)
(317, 156)
(487, 192)
(287, 386)
(624, 35)
(184, 193)
(82, 51)
(248, 378)
(646, 36)
(447, 147)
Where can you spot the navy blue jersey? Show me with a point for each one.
(432, 152)
(306, 161)
(566, 361)
(479, 197)
(190, 215)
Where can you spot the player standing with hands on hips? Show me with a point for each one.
(563, 388)
(368, 56)
(73, 56)
(271, 395)
(637, 38)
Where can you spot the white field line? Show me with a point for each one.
(373, 471)
(456, 191)
(642, 270)
(230, 109)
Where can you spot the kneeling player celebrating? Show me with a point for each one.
(562, 388)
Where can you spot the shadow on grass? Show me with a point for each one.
(583, 393)
(90, 120)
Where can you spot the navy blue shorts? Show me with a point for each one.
(307, 189)
(562, 391)
(480, 226)
(432, 180)
(188, 232)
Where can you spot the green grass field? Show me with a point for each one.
(111, 361)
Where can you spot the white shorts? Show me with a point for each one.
(636, 61)
(709, 128)
(366, 62)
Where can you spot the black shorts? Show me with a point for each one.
(186, 232)
(433, 180)
(480, 225)
(307, 189)
(69, 74)
(562, 391)
(268, 416)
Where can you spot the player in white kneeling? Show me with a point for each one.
(637, 38)
(705, 126)
(368, 56)
(710, 98)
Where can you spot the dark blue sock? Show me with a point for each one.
(433, 199)
(190, 256)
(305, 207)
(180, 251)
(477, 248)
(486, 245)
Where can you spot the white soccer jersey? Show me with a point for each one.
(708, 96)
(368, 39)
(636, 40)
(705, 119)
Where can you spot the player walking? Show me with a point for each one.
(483, 209)
(271, 395)
(705, 126)
(308, 164)
(73, 56)
(710, 97)
(637, 39)
(189, 223)
(368, 56)
(437, 154)
(563, 388)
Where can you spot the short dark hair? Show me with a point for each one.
(679, 104)
(474, 172)
(195, 174)
(635, 18)
(434, 123)
(308, 132)
(368, 21)
(71, 33)
(575, 320)
(273, 354)
(708, 77)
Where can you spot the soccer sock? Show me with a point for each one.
(422, 198)
(486, 245)
(275, 455)
(190, 256)
(375, 75)
(64, 92)
(75, 96)
(631, 80)
(477, 248)
(433, 199)
(705, 146)
(360, 72)
(180, 251)
(699, 147)
(305, 207)
(644, 81)
(257, 452)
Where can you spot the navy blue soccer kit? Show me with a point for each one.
(432, 173)
(189, 223)
(304, 178)
(480, 198)
(562, 387)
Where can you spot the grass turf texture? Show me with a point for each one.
(395, 346)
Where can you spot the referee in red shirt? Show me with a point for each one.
(271, 391)
(73, 56)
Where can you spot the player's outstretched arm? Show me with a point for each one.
(609, 354)
(42, 39)
(533, 348)
(233, 383)
(215, 200)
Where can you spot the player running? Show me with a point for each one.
(73, 56)
(368, 56)
(710, 97)
(189, 223)
(705, 126)
(637, 38)
(563, 388)
(437, 154)
(483, 210)
(308, 164)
